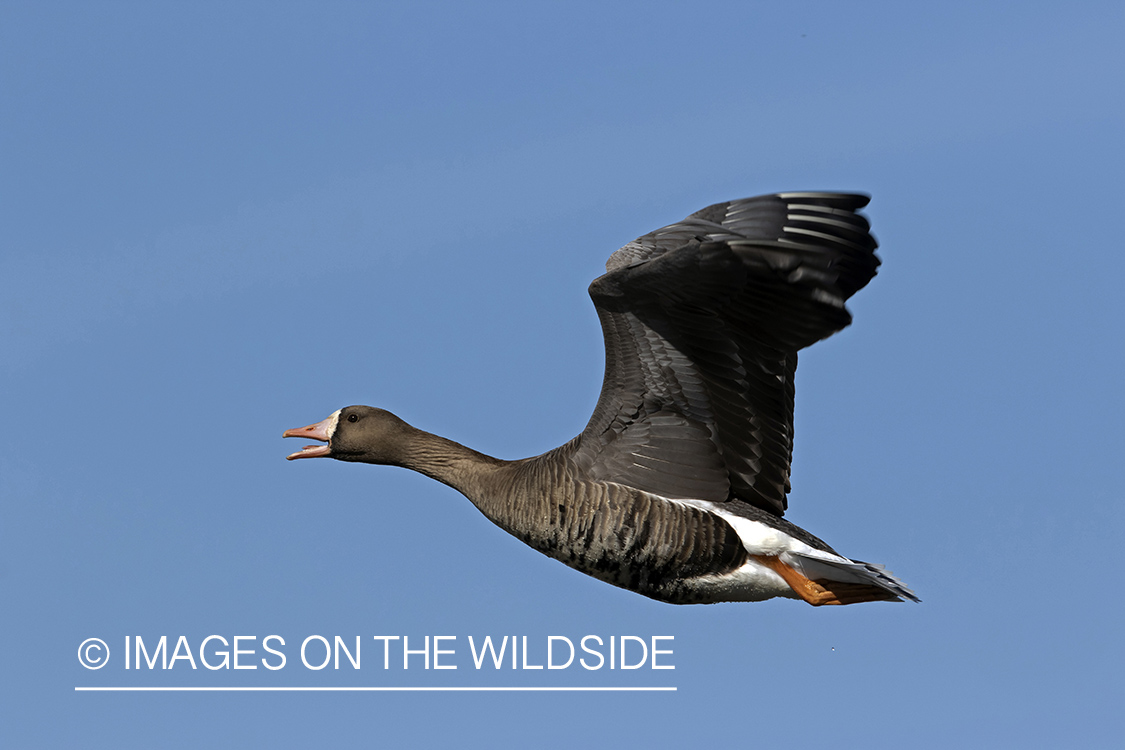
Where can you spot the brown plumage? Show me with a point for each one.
(677, 485)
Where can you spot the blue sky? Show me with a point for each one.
(224, 220)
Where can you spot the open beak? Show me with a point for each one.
(321, 431)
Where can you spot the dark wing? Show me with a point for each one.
(702, 322)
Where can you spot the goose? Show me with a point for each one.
(677, 486)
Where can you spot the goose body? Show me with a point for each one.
(677, 486)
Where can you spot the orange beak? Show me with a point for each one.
(321, 431)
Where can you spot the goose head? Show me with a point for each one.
(355, 433)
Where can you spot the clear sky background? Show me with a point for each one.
(219, 221)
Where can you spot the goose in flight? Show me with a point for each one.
(677, 486)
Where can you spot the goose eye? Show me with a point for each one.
(353, 417)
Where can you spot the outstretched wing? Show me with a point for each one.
(702, 323)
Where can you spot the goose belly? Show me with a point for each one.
(674, 551)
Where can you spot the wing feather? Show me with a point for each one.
(702, 321)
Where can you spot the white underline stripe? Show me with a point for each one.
(370, 689)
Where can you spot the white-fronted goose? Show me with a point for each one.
(677, 485)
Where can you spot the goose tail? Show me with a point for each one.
(848, 581)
